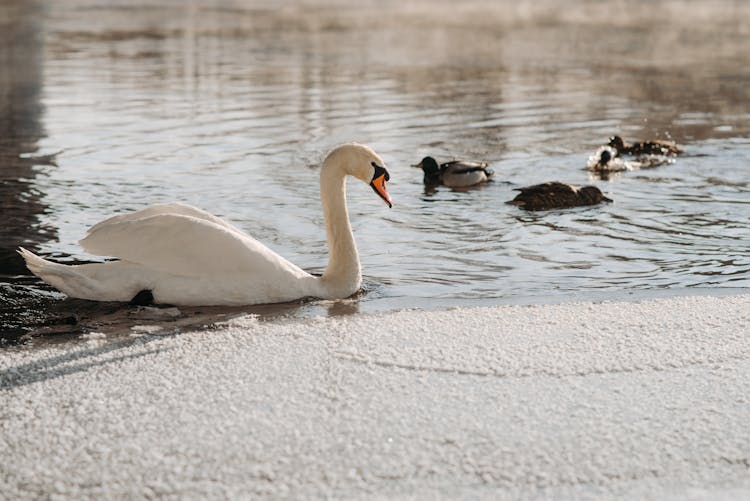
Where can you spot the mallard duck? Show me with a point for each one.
(655, 147)
(454, 174)
(178, 254)
(555, 195)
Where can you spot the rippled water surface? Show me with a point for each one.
(231, 106)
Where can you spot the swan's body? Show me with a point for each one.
(454, 174)
(186, 256)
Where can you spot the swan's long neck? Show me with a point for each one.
(342, 276)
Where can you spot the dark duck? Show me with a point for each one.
(555, 195)
(454, 174)
(655, 147)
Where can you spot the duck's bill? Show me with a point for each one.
(378, 184)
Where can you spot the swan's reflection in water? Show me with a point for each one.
(45, 315)
(343, 308)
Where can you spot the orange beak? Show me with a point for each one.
(378, 184)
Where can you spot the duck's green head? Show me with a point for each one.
(429, 165)
(431, 170)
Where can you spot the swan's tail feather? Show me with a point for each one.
(63, 277)
(33, 262)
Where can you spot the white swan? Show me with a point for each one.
(178, 254)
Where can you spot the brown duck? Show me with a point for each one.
(554, 195)
(656, 147)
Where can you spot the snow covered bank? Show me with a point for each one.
(636, 399)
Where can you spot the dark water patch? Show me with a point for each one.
(21, 129)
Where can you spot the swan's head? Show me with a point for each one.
(361, 162)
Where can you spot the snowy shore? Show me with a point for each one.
(642, 400)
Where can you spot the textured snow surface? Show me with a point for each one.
(639, 400)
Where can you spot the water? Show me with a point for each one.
(232, 106)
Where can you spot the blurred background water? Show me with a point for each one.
(107, 107)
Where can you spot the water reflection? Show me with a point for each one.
(21, 84)
(231, 108)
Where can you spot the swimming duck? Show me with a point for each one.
(178, 254)
(454, 174)
(655, 147)
(555, 195)
(606, 161)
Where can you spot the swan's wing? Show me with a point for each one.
(168, 208)
(185, 245)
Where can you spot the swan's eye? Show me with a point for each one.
(380, 171)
